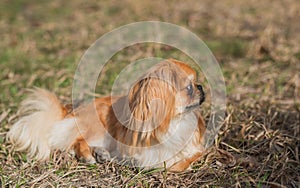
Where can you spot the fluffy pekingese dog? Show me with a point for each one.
(158, 123)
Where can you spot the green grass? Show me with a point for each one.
(42, 43)
(231, 47)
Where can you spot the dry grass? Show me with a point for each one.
(256, 43)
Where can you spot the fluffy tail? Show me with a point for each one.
(41, 128)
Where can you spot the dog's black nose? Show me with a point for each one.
(202, 96)
(200, 87)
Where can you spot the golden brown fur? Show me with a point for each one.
(141, 125)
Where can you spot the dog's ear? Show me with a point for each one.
(152, 104)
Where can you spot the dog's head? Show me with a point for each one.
(168, 90)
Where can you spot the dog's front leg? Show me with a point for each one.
(83, 151)
(184, 163)
(100, 154)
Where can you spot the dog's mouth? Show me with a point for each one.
(197, 104)
(202, 94)
(198, 100)
(202, 98)
(192, 107)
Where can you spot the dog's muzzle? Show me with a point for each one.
(202, 94)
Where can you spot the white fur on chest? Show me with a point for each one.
(178, 143)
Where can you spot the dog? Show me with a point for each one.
(157, 124)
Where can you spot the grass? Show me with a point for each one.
(258, 50)
(232, 47)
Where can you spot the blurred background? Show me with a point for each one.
(257, 44)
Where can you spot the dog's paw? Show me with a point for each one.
(100, 154)
(180, 166)
(88, 160)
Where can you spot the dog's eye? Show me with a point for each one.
(189, 89)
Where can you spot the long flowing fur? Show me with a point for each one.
(33, 131)
(144, 125)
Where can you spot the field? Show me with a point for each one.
(256, 43)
